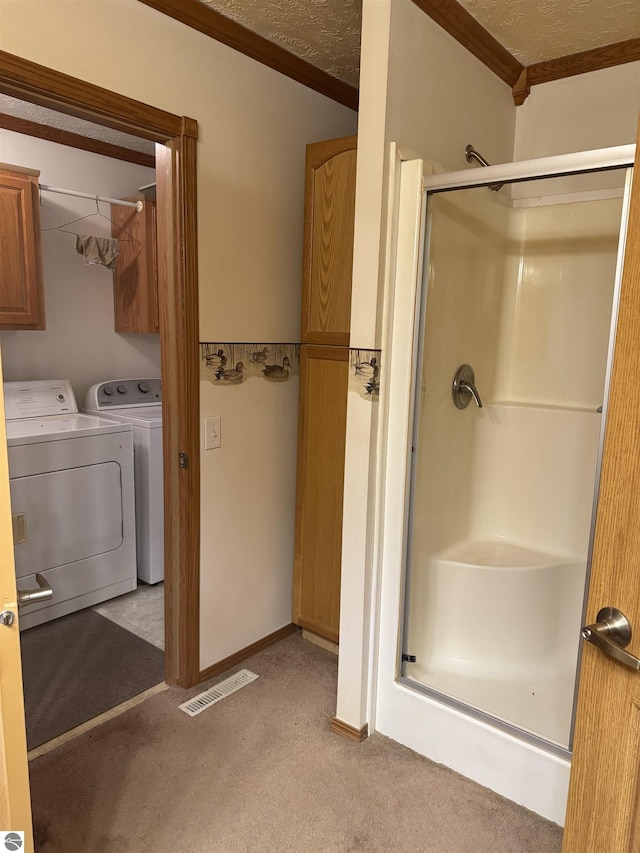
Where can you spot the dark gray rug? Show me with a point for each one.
(79, 666)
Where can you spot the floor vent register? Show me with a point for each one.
(214, 694)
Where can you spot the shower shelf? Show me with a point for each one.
(498, 553)
(554, 407)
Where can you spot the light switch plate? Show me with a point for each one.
(212, 432)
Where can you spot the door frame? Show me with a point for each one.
(530, 775)
(175, 138)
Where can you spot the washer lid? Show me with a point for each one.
(145, 417)
(56, 427)
(38, 398)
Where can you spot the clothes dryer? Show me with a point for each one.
(72, 499)
(138, 402)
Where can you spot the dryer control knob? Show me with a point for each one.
(144, 387)
(121, 389)
(107, 390)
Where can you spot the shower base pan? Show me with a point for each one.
(502, 634)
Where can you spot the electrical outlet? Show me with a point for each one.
(212, 432)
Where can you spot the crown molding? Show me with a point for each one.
(587, 60)
(215, 25)
(464, 28)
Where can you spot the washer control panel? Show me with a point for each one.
(124, 393)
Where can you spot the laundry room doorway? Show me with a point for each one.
(175, 170)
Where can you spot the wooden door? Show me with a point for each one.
(603, 812)
(15, 803)
(329, 215)
(324, 376)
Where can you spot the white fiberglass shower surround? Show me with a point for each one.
(504, 308)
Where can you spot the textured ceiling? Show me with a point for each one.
(324, 32)
(50, 118)
(537, 30)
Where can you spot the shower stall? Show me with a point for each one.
(504, 318)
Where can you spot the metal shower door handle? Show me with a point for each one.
(612, 633)
(33, 596)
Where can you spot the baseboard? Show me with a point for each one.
(317, 640)
(226, 663)
(351, 733)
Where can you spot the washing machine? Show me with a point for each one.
(72, 499)
(138, 402)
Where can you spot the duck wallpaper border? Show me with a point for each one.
(234, 363)
(364, 373)
(225, 364)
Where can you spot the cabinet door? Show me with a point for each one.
(324, 373)
(135, 278)
(330, 190)
(21, 289)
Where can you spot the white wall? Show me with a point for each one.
(595, 110)
(422, 90)
(253, 127)
(79, 343)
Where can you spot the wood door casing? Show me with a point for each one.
(21, 282)
(324, 375)
(178, 309)
(603, 811)
(329, 216)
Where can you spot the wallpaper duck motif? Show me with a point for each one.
(364, 373)
(234, 363)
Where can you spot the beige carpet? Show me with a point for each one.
(261, 772)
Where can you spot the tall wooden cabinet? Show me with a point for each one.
(135, 277)
(21, 281)
(324, 372)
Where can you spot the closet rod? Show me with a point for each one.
(139, 205)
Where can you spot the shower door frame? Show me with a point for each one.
(442, 183)
(400, 703)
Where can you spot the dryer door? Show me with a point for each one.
(64, 516)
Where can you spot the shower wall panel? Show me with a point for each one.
(558, 297)
(533, 476)
(466, 280)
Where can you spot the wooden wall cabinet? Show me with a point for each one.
(330, 193)
(135, 277)
(21, 279)
(324, 376)
(322, 420)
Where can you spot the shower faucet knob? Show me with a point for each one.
(464, 388)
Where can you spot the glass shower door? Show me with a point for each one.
(516, 317)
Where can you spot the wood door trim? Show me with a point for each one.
(75, 140)
(29, 81)
(215, 25)
(178, 330)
